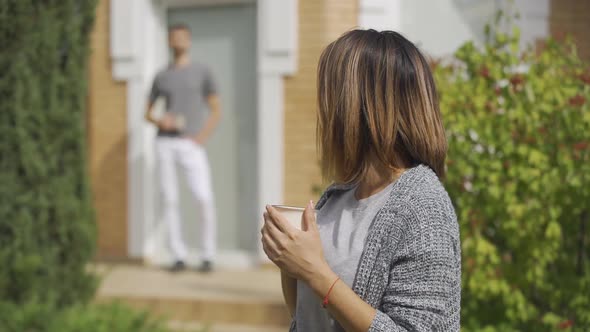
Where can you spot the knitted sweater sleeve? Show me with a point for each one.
(424, 287)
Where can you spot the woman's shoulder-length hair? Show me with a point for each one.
(376, 98)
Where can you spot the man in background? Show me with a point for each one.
(192, 113)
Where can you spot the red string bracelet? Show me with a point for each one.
(327, 297)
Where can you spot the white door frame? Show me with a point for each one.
(138, 30)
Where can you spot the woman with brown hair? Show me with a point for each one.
(384, 253)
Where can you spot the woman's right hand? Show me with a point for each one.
(297, 252)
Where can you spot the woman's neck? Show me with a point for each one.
(376, 179)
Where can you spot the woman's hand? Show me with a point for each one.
(298, 253)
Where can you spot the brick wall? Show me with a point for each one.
(107, 138)
(572, 17)
(320, 22)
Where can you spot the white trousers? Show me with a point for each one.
(192, 159)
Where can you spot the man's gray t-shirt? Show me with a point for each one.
(343, 223)
(185, 90)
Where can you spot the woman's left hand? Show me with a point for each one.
(297, 252)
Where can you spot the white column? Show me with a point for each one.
(125, 49)
(125, 17)
(380, 14)
(154, 56)
(270, 139)
(138, 183)
(534, 20)
(136, 30)
(277, 57)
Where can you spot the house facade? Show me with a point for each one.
(263, 54)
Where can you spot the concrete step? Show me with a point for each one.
(220, 327)
(239, 297)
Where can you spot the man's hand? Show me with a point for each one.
(167, 123)
(211, 123)
(199, 139)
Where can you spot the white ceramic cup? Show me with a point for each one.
(180, 121)
(292, 214)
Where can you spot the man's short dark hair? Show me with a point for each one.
(179, 26)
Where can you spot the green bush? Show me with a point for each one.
(47, 233)
(43, 317)
(519, 174)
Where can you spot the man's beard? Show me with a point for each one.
(178, 52)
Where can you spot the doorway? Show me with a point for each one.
(224, 39)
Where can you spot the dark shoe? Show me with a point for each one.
(177, 266)
(205, 267)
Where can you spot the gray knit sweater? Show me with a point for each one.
(410, 268)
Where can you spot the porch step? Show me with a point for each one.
(198, 326)
(236, 297)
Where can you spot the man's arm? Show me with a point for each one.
(166, 123)
(212, 121)
(149, 114)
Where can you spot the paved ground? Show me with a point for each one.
(234, 285)
(197, 327)
(227, 300)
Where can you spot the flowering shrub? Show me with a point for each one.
(519, 175)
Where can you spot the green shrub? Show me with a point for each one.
(43, 317)
(47, 233)
(519, 174)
